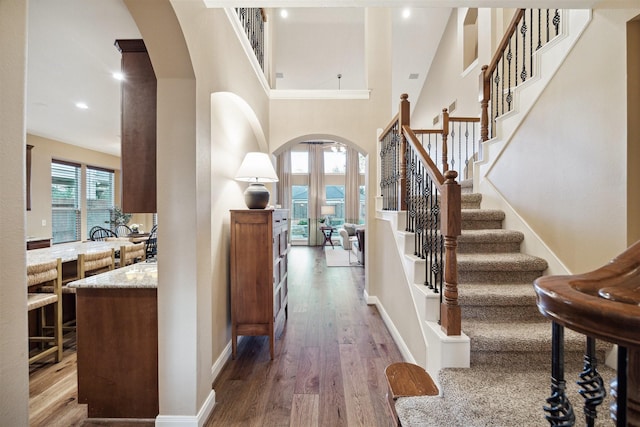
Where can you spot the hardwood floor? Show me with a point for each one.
(328, 368)
(330, 359)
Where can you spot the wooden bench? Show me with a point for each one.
(407, 380)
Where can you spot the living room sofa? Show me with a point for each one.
(346, 231)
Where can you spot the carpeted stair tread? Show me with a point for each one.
(491, 235)
(482, 214)
(500, 262)
(511, 336)
(501, 397)
(499, 294)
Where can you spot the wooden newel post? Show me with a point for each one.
(485, 95)
(445, 135)
(451, 226)
(403, 120)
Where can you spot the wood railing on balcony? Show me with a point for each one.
(513, 63)
(411, 181)
(603, 304)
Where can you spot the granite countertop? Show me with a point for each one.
(69, 251)
(140, 275)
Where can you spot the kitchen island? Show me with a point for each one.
(117, 342)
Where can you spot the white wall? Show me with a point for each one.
(14, 385)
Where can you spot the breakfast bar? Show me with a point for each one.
(117, 342)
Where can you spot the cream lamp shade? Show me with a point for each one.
(256, 168)
(328, 210)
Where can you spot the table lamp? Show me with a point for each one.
(256, 168)
(327, 211)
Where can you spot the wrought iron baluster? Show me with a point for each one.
(618, 409)
(502, 91)
(509, 96)
(539, 29)
(452, 165)
(531, 43)
(591, 385)
(556, 21)
(547, 25)
(523, 31)
(466, 150)
(559, 410)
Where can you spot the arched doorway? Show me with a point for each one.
(322, 182)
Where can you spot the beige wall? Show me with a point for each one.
(14, 380)
(566, 164)
(570, 153)
(447, 80)
(44, 150)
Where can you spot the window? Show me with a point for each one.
(335, 197)
(65, 201)
(362, 163)
(335, 161)
(99, 197)
(300, 216)
(299, 162)
(363, 209)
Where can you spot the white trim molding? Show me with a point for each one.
(198, 420)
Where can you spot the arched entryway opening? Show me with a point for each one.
(322, 183)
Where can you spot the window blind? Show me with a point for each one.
(65, 201)
(99, 183)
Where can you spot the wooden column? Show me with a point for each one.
(450, 313)
(138, 135)
(445, 135)
(485, 94)
(403, 120)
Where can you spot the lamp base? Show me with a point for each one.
(256, 196)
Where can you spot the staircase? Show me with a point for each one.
(509, 377)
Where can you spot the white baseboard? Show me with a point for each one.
(189, 421)
(395, 334)
(220, 362)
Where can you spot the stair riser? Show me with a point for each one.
(541, 360)
(481, 225)
(498, 276)
(470, 248)
(492, 312)
(470, 205)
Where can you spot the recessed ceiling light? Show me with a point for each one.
(284, 13)
(82, 105)
(406, 13)
(118, 75)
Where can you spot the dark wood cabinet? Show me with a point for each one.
(138, 128)
(259, 273)
(38, 244)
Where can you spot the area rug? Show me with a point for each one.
(338, 257)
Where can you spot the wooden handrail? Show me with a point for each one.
(390, 126)
(504, 43)
(604, 303)
(435, 175)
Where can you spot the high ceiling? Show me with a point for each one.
(71, 57)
